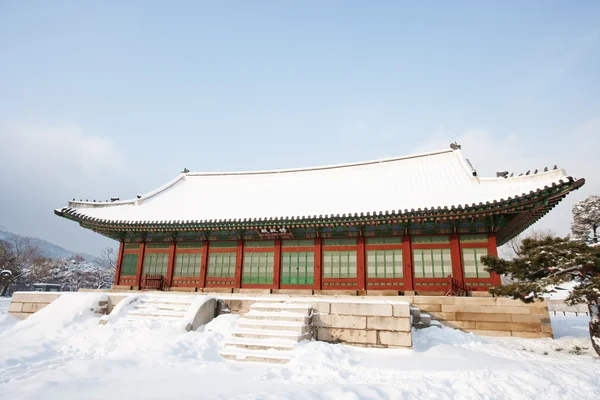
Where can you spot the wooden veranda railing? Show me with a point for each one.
(455, 288)
(153, 282)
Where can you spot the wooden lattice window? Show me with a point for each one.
(384, 263)
(221, 265)
(431, 239)
(432, 263)
(339, 264)
(129, 264)
(472, 264)
(187, 264)
(298, 268)
(257, 267)
(155, 264)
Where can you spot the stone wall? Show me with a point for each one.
(488, 316)
(356, 321)
(23, 304)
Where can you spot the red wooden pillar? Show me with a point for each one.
(360, 263)
(140, 264)
(318, 261)
(409, 283)
(204, 264)
(493, 251)
(119, 263)
(238, 264)
(456, 256)
(277, 264)
(171, 265)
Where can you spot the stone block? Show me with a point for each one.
(121, 287)
(532, 335)
(539, 310)
(307, 292)
(464, 325)
(461, 316)
(217, 290)
(481, 293)
(336, 292)
(418, 300)
(429, 307)
(492, 333)
(366, 309)
(382, 293)
(531, 319)
(252, 290)
(389, 324)
(33, 307)
(486, 309)
(346, 335)
(20, 316)
(509, 326)
(34, 297)
(401, 310)
(182, 289)
(475, 301)
(238, 305)
(547, 328)
(15, 307)
(443, 316)
(507, 301)
(396, 339)
(409, 293)
(339, 321)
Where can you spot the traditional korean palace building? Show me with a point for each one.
(399, 224)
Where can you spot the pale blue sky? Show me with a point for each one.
(101, 99)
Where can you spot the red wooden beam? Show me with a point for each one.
(407, 263)
(318, 261)
(171, 264)
(277, 264)
(360, 263)
(204, 265)
(138, 271)
(238, 263)
(119, 263)
(493, 251)
(456, 257)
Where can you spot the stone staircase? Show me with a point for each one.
(269, 332)
(159, 307)
(422, 320)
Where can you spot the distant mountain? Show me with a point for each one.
(48, 249)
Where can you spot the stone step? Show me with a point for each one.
(283, 326)
(278, 316)
(278, 307)
(263, 356)
(163, 307)
(166, 302)
(156, 314)
(261, 344)
(268, 334)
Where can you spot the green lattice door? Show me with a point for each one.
(298, 268)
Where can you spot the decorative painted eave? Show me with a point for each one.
(528, 207)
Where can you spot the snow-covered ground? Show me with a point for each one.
(61, 352)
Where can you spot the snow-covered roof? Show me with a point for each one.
(429, 180)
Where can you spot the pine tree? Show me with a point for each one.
(544, 262)
(586, 219)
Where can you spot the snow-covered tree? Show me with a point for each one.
(586, 219)
(545, 262)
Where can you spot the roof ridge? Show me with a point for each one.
(323, 167)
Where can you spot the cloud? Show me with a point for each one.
(575, 151)
(44, 165)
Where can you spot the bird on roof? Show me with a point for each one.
(545, 169)
(535, 172)
(455, 146)
(528, 172)
(555, 167)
